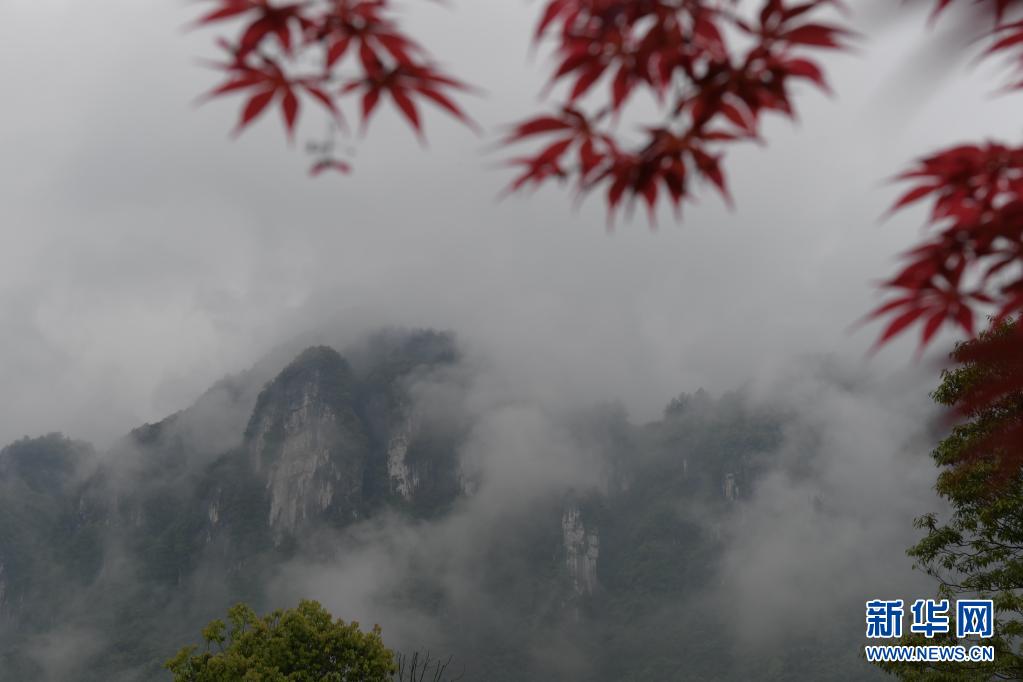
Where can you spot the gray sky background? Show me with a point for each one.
(143, 254)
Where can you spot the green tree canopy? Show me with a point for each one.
(978, 550)
(305, 644)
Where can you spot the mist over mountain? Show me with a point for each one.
(390, 480)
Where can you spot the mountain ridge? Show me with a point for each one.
(344, 460)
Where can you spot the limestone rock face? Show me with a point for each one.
(729, 487)
(307, 443)
(414, 463)
(582, 549)
(404, 478)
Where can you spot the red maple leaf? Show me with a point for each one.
(265, 80)
(404, 83)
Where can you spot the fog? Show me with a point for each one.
(145, 255)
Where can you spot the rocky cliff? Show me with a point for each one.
(306, 441)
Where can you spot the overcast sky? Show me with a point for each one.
(144, 254)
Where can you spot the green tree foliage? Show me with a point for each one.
(978, 550)
(305, 644)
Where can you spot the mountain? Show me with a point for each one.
(527, 545)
